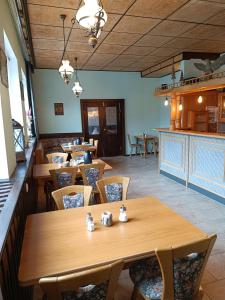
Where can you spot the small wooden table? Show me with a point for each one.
(41, 174)
(146, 139)
(58, 242)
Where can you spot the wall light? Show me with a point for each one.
(180, 107)
(166, 102)
(200, 99)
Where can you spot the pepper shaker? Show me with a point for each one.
(123, 215)
(90, 224)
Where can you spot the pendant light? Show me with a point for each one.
(200, 99)
(66, 70)
(166, 102)
(77, 88)
(92, 17)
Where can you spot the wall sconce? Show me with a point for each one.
(180, 107)
(200, 99)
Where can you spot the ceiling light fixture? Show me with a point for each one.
(66, 70)
(92, 17)
(77, 88)
(166, 102)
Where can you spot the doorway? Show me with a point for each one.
(103, 120)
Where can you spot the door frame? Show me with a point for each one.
(84, 102)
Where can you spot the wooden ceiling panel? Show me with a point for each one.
(125, 60)
(48, 54)
(117, 6)
(155, 8)
(73, 4)
(196, 11)
(47, 32)
(110, 49)
(43, 15)
(210, 46)
(180, 43)
(139, 50)
(101, 59)
(133, 24)
(153, 40)
(219, 19)
(81, 47)
(48, 44)
(120, 38)
(165, 52)
(171, 28)
(112, 20)
(204, 31)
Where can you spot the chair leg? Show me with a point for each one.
(134, 294)
(131, 149)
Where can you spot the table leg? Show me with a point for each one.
(145, 147)
(41, 198)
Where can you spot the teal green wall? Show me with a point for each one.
(142, 109)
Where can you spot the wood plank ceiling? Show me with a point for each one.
(139, 33)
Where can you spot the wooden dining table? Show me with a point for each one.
(41, 174)
(57, 242)
(69, 148)
(146, 139)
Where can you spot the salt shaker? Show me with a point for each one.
(123, 215)
(88, 216)
(90, 225)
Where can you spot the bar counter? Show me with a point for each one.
(196, 159)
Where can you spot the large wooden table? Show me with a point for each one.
(58, 242)
(70, 149)
(41, 174)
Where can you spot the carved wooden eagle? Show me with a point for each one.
(211, 66)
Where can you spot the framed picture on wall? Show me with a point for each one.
(59, 110)
(3, 68)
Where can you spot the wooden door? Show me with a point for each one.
(103, 120)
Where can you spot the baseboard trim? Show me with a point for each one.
(198, 189)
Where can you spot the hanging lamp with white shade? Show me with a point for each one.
(92, 17)
(66, 70)
(77, 88)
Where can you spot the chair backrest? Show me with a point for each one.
(57, 157)
(63, 176)
(91, 141)
(129, 139)
(96, 146)
(77, 154)
(92, 173)
(187, 264)
(113, 188)
(71, 190)
(106, 276)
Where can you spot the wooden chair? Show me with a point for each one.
(76, 154)
(70, 190)
(78, 282)
(113, 188)
(52, 157)
(92, 173)
(137, 147)
(174, 273)
(63, 177)
(95, 154)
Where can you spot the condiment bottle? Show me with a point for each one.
(123, 215)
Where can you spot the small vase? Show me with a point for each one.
(78, 141)
(87, 157)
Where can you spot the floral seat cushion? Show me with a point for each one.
(146, 275)
(114, 192)
(91, 292)
(57, 159)
(64, 179)
(72, 201)
(92, 176)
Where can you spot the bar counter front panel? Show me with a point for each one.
(198, 160)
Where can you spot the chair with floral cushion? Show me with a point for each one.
(113, 188)
(174, 273)
(57, 157)
(63, 177)
(94, 284)
(72, 196)
(92, 173)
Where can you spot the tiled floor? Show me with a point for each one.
(198, 209)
